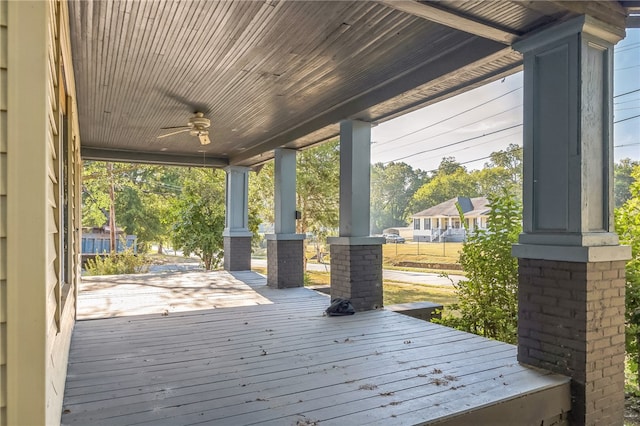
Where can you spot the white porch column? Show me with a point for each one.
(237, 237)
(356, 258)
(355, 178)
(285, 248)
(571, 289)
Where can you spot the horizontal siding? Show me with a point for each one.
(3, 212)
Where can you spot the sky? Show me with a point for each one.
(472, 125)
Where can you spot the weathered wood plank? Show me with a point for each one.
(280, 362)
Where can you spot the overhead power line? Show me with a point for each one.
(452, 116)
(454, 143)
(625, 119)
(395, 147)
(626, 93)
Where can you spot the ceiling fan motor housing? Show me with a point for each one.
(199, 122)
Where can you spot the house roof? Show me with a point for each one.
(471, 207)
(275, 74)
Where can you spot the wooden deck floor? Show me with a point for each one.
(279, 361)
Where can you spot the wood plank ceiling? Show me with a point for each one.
(279, 73)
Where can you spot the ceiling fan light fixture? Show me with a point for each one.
(204, 138)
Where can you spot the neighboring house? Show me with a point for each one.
(97, 240)
(442, 222)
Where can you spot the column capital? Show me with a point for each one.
(581, 24)
(237, 169)
(572, 253)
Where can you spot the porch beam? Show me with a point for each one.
(166, 159)
(453, 20)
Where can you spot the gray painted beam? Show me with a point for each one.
(99, 154)
(453, 20)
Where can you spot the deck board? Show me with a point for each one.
(275, 359)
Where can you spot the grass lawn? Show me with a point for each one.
(394, 292)
(421, 253)
(426, 257)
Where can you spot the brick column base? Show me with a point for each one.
(237, 253)
(356, 274)
(285, 265)
(571, 321)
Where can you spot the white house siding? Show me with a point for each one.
(38, 324)
(3, 212)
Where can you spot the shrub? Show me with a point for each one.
(488, 298)
(126, 262)
(628, 228)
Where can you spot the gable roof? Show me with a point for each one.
(471, 207)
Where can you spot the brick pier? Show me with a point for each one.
(571, 322)
(356, 274)
(237, 253)
(285, 263)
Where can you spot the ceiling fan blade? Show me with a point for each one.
(204, 139)
(173, 133)
(174, 127)
(193, 106)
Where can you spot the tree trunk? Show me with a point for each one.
(160, 247)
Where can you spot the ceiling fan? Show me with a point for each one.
(196, 126)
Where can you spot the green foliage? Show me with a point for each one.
(627, 220)
(125, 262)
(509, 160)
(318, 189)
(392, 187)
(143, 197)
(622, 180)
(449, 166)
(200, 216)
(488, 297)
(441, 188)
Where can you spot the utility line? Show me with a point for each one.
(453, 116)
(450, 131)
(625, 119)
(626, 93)
(626, 68)
(474, 138)
(626, 102)
(474, 146)
(454, 143)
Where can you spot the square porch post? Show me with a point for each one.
(236, 234)
(356, 258)
(571, 289)
(285, 248)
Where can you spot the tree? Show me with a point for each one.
(449, 166)
(443, 187)
(200, 216)
(627, 220)
(392, 187)
(142, 197)
(318, 191)
(622, 180)
(509, 160)
(488, 300)
(261, 195)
